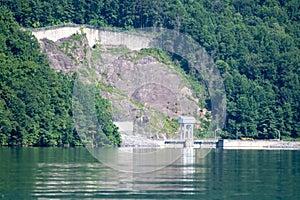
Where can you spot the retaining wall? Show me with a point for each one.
(246, 144)
(133, 41)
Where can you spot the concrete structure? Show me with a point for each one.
(187, 130)
(125, 127)
(246, 144)
(202, 144)
(235, 144)
(133, 41)
(174, 143)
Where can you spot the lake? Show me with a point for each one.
(72, 173)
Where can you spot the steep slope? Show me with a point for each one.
(142, 90)
(254, 43)
(35, 101)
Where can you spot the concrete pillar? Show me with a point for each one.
(187, 130)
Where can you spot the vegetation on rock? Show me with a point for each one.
(254, 43)
(36, 102)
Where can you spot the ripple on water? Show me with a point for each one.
(93, 180)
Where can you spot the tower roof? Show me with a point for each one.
(186, 120)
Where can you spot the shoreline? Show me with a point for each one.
(218, 144)
(258, 144)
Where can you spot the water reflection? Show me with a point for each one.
(64, 180)
(72, 173)
(137, 160)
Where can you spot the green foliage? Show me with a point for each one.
(158, 54)
(170, 126)
(104, 115)
(255, 45)
(35, 101)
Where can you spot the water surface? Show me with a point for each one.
(72, 173)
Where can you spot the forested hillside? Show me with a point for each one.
(255, 44)
(35, 101)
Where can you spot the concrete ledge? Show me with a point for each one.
(247, 144)
(174, 143)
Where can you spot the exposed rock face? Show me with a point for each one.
(157, 96)
(67, 54)
(142, 90)
(76, 47)
(150, 83)
(146, 91)
(59, 61)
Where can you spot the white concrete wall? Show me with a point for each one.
(242, 144)
(125, 127)
(174, 145)
(56, 34)
(131, 41)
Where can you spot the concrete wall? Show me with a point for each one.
(133, 41)
(242, 144)
(56, 34)
(174, 143)
(125, 127)
(205, 143)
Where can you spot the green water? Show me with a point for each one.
(72, 173)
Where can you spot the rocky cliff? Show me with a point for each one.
(144, 91)
(67, 54)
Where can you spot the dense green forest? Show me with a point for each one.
(36, 102)
(255, 44)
